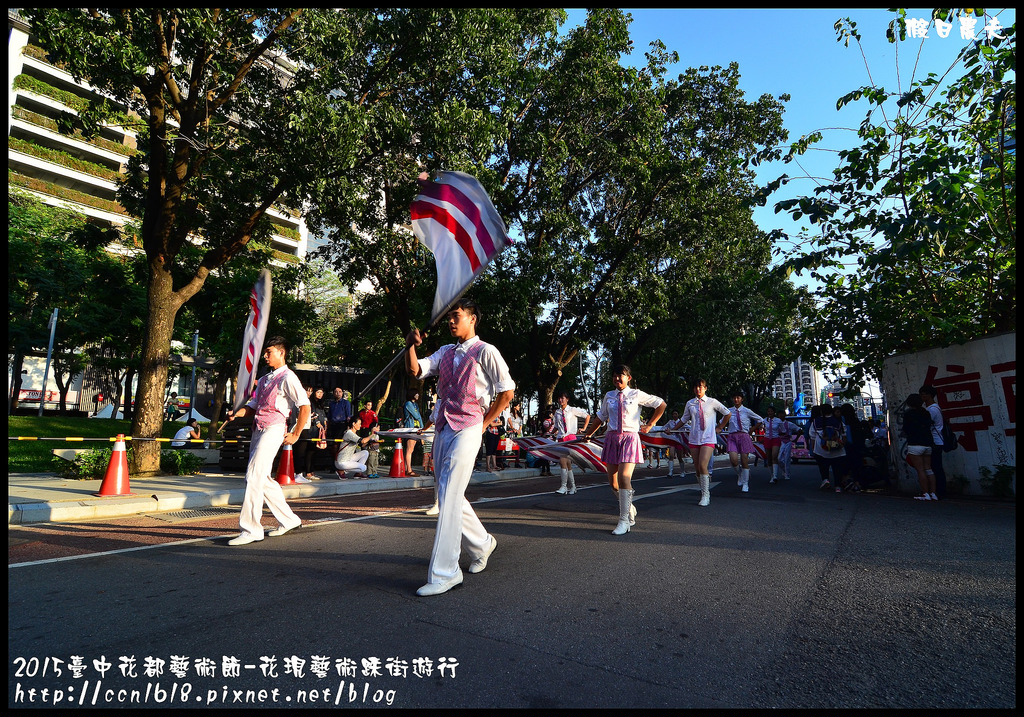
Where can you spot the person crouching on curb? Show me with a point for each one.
(276, 394)
(621, 410)
(469, 372)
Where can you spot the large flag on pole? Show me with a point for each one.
(455, 219)
(252, 339)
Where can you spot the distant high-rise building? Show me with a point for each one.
(799, 377)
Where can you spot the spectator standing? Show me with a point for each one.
(304, 446)
(928, 395)
(411, 418)
(370, 426)
(339, 414)
(917, 428)
(826, 431)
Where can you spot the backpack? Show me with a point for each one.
(832, 435)
(949, 439)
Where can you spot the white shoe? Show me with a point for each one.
(302, 479)
(434, 509)
(279, 531)
(438, 588)
(562, 490)
(480, 563)
(744, 489)
(244, 539)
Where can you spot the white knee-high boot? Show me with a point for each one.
(632, 508)
(705, 489)
(572, 482)
(625, 503)
(745, 479)
(565, 479)
(671, 466)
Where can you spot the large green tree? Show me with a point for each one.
(242, 109)
(914, 240)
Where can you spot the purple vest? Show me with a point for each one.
(458, 406)
(266, 401)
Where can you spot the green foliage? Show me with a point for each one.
(915, 237)
(180, 463)
(88, 465)
(999, 482)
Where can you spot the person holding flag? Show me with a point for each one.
(699, 413)
(277, 393)
(741, 422)
(620, 409)
(473, 388)
(566, 426)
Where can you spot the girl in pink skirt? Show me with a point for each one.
(620, 409)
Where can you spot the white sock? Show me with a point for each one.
(775, 470)
(671, 466)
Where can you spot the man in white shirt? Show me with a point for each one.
(271, 404)
(928, 395)
(566, 427)
(469, 373)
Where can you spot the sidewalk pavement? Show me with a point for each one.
(46, 497)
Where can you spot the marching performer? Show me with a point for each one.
(773, 438)
(277, 393)
(675, 427)
(788, 431)
(469, 373)
(699, 413)
(621, 410)
(566, 427)
(738, 442)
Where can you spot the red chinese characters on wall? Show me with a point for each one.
(962, 404)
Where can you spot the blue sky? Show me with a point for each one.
(795, 52)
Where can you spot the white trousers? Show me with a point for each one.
(358, 462)
(458, 527)
(260, 486)
(785, 450)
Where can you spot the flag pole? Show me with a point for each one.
(401, 352)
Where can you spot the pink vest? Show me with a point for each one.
(458, 406)
(266, 401)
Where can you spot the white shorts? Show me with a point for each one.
(919, 450)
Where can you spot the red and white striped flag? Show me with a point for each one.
(455, 219)
(665, 439)
(252, 339)
(583, 454)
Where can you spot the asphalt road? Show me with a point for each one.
(785, 597)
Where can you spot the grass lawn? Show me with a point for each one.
(36, 456)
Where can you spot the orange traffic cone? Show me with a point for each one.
(115, 482)
(397, 462)
(286, 467)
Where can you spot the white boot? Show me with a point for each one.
(625, 503)
(705, 490)
(565, 479)
(435, 508)
(671, 467)
(572, 483)
(745, 480)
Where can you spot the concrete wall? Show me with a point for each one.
(977, 385)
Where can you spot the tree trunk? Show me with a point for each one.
(129, 378)
(220, 390)
(19, 362)
(156, 350)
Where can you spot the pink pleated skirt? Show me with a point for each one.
(622, 448)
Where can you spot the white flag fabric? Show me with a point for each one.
(455, 219)
(252, 339)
